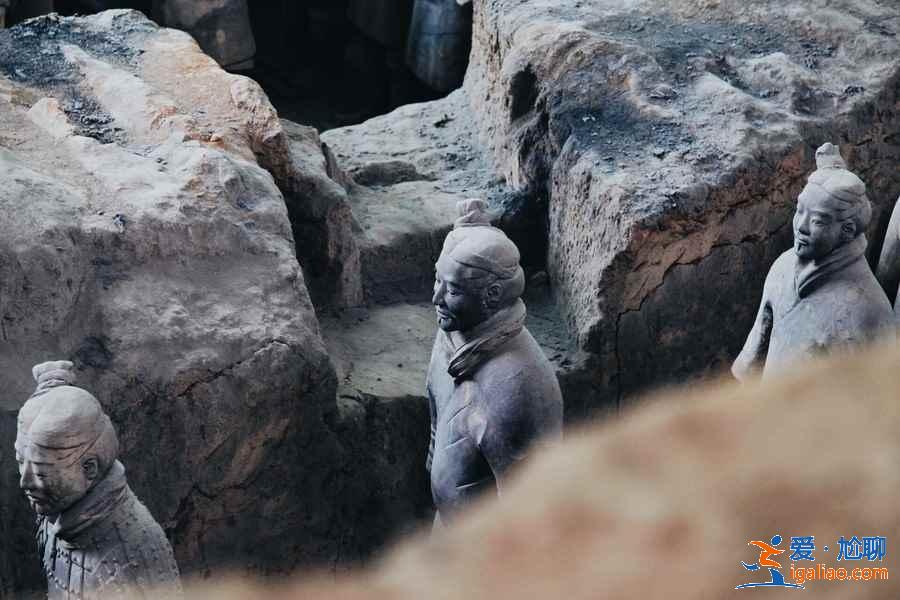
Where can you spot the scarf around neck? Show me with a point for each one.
(483, 340)
(811, 273)
(94, 507)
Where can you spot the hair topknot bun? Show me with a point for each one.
(55, 373)
(828, 156)
(473, 212)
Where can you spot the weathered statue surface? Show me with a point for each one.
(821, 294)
(96, 538)
(491, 390)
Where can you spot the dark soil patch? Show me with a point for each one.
(31, 53)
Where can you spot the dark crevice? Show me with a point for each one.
(523, 93)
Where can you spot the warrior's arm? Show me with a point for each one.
(432, 410)
(888, 271)
(753, 356)
(516, 426)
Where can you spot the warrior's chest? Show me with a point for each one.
(459, 469)
(81, 571)
(458, 408)
(817, 320)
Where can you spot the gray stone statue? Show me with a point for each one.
(440, 36)
(492, 392)
(821, 294)
(96, 538)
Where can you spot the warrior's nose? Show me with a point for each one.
(438, 297)
(27, 479)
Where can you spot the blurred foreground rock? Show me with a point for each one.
(663, 502)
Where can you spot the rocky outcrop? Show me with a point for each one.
(408, 169)
(147, 240)
(663, 503)
(671, 138)
(315, 189)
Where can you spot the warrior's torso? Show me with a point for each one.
(119, 551)
(847, 309)
(484, 422)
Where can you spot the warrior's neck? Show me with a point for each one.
(507, 313)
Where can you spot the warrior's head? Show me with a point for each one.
(65, 443)
(478, 272)
(832, 209)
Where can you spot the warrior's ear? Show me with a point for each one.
(848, 230)
(492, 294)
(91, 468)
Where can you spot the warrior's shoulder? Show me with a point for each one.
(781, 273)
(784, 264)
(519, 373)
(136, 552)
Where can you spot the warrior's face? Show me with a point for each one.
(52, 487)
(818, 226)
(461, 303)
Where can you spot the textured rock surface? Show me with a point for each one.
(661, 504)
(145, 239)
(671, 138)
(315, 190)
(409, 168)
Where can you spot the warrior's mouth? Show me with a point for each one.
(443, 314)
(36, 499)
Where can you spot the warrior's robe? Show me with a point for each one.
(811, 307)
(107, 545)
(491, 397)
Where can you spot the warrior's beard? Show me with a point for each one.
(45, 503)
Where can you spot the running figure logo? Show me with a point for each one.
(766, 552)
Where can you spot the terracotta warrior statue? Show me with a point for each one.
(821, 294)
(492, 392)
(96, 538)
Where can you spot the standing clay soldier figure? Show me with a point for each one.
(491, 390)
(440, 37)
(821, 294)
(96, 538)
